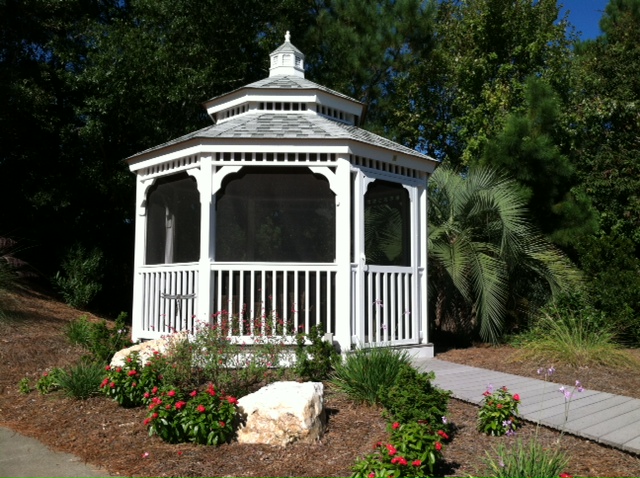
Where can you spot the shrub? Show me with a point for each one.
(414, 398)
(414, 450)
(315, 361)
(204, 417)
(525, 459)
(210, 356)
(366, 373)
(498, 414)
(132, 384)
(49, 382)
(98, 338)
(571, 331)
(82, 380)
(80, 282)
(23, 386)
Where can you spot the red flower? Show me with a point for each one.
(167, 407)
(402, 461)
(112, 385)
(172, 393)
(147, 421)
(443, 434)
(154, 416)
(146, 395)
(371, 475)
(486, 393)
(565, 475)
(132, 373)
(377, 445)
(222, 424)
(107, 368)
(180, 405)
(134, 385)
(392, 450)
(417, 463)
(516, 397)
(179, 453)
(395, 425)
(438, 446)
(154, 390)
(201, 408)
(194, 393)
(504, 389)
(499, 405)
(394, 460)
(119, 369)
(128, 359)
(232, 400)
(104, 382)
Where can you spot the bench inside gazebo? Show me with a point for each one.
(282, 215)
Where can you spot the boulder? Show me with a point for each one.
(282, 413)
(146, 349)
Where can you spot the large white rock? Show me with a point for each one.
(282, 413)
(146, 349)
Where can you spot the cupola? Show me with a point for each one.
(287, 60)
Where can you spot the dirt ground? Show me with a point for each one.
(115, 439)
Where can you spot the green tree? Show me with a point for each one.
(527, 150)
(488, 267)
(452, 102)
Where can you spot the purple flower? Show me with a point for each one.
(444, 420)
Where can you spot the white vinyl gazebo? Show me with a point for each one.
(283, 215)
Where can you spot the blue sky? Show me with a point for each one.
(585, 15)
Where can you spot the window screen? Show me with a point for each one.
(173, 221)
(275, 215)
(387, 226)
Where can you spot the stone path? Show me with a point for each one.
(605, 418)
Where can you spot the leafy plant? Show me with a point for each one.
(81, 381)
(414, 450)
(367, 373)
(205, 417)
(414, 398)
(573, 332)
(98, 338)
(23, 386)
(132, 384)
(315, 361)
(49, 382)
(525, 459)
(498, 414)
(80, 282)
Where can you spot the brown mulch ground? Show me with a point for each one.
(114, 438)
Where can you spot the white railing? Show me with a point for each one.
(169, 298)
(389, 313)
(247, 299)
(273, 299)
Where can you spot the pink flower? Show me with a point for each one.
(392, 450)
(147, 421)
(194, 393)
(172, 393)
(180, 405)
(145, 454)
(132, 373)
(112, 385)
(443, 434)
(516, 397)
(201, 408)
(154, 390)
(395, 425)
(565, 475)
(371, 475)
(438, 446)
(416, 463)
(146, 395)
(232, 400)
(107, 368)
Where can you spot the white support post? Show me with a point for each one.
(422, 278)
(142, 186)
(343, 253)
(203, 312)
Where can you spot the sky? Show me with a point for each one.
(585, 16)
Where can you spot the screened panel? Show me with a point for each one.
(275, 215)
(173, 221)
(387, 230)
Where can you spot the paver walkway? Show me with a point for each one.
(605, 418)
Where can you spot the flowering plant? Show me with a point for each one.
(129, 384)
(204, 417)
(498, 414)
(413, 450)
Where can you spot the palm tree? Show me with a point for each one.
(485, 258)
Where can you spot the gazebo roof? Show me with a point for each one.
(305, 112)
(291, 126)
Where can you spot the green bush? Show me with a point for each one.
(414, 449)
(80, 281)
(315, 361)
(413, 397)
(49, 382)
(132, 384)
(204, 417)
(571, 331)
(98, 338)
(365, 374)
(82, 380)
(525, 459)
(498, 414)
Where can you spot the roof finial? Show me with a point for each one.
(287, 37)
